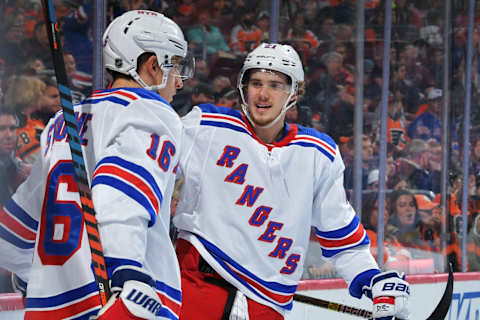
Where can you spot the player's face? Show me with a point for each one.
(406, 211)
(174, 83)
(8, 133)
(267, 93)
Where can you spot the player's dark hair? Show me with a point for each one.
(140, 61)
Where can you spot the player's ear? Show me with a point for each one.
(152, 65)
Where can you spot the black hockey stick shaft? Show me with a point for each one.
(439, 313)
(98, 260)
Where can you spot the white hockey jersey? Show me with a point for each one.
(130, 138)
(248, 207)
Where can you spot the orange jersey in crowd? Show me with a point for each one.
(28, 140)
(245, 40)
(396, 133)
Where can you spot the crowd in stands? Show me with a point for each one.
(222, 32)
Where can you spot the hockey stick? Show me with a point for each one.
(96, 249)
(439, 313)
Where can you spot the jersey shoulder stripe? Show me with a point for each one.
(274, 292)
(350, 236)
(123, 96)
(131, 179)
(222, 117)
(17, 227)
(308, 137)
(79, 303)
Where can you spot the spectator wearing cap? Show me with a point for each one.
(372, 180)
(428, 125)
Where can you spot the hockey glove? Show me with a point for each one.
(389, 292)
(133, 298)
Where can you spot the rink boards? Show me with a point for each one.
(426, 291)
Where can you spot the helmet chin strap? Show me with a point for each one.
(157, 87)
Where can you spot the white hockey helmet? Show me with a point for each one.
(138, 31)
(277, 57)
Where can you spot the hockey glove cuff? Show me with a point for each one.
(389, 292)
(134, 296)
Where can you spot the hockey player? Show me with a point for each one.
(130, 136)
(254, 186)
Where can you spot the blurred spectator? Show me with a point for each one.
(220, 82)
(206, 33)
(35, 66)
(186, 8)
(404, 216)
(473, 246)
(344, 12)
(49, 102)
(411, 94)
(12, 50)
(245, 36)
(80, 84)
(12, 170)
(393, 250)
(201, 93)
(38, 46)
(301, 38)
(428, 125)
(77, 29)
(475, 157)
(23, 97)
(367, 165)
(332, 96)
(228, 97)
(415, 165)
(416, 71)
(372, 180)
(396, 124)
(263, 23)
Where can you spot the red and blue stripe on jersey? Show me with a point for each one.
(79, 304)
(308, 137)
(273, 292)
(224, 117)
(123, 96)
(17, 226)
(131, 179)
(336, 241)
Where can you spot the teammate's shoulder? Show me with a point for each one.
(211, 108)
(124, 96)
